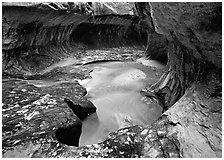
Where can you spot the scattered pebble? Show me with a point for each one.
(144, 132)
(12, 92)
(31, 115)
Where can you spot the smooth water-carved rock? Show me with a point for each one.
(57, 30)
(79, 111)
(192, 56)
(185, 36)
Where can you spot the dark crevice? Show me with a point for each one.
(108, 35)
(173, 124)
(70, 135)
(176, 143)
(189, 44)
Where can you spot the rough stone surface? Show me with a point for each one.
(32, 111)
(187, 37)
(196, 25)
(187, 129)
(192, 46)
(53, 32)
(193, 33)
(34, 107)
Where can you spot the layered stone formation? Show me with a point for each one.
(60, 29)
(186, 36)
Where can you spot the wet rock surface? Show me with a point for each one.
(79, 111)
(34, 111)
(185, 36)
(32, 114)
(115, 87)
(32, 43)
(173, 135)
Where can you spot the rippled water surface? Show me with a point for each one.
(114, 90)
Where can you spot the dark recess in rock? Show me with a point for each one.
(69, 135)
(109, 35)
(187, 37)
(79, 111)
(33, 43)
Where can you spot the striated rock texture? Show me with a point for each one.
(193, 46)
(190, 128)
(36, 35)
(193, 35)
(185, 36)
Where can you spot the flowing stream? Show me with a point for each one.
(114, 90)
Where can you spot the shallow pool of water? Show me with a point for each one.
(114, 90)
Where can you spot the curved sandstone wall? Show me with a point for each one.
(41, 33)
(187, 35)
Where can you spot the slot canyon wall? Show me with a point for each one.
(185, 36)
(55, 29)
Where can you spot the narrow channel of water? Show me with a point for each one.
(114, 90)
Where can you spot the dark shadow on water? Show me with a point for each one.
(101, 61)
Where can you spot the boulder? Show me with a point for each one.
(79, 111)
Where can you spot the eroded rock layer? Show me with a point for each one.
(37, 35)
(185, 36)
